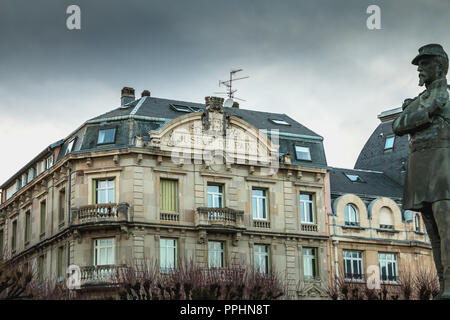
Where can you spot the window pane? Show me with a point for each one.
(302, 153)
(106, 136)
(389, 142)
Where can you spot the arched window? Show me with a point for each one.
(417, 222)
(351, 215)
(386, 218)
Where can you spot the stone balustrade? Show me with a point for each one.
(101, 212)
(219, 217)
(101, 275)
(309, 227)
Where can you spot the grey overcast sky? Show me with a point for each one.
(314, 60)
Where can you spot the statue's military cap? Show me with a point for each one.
(432, 49)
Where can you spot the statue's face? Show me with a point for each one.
(428, 70)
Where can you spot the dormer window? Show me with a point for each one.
(302, 153)
(70, 146)
(31, 175)
(279, 121)
(354, 177)
(389, 144)
(24, 179)
(106, 136)
(49, 162)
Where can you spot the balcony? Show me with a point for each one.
(219, 218)
(103, 275)
(101, 213)
(309, 227)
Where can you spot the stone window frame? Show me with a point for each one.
(396, 260)
(314, 206)
(317, 276)
(269, 256)
(361, 259)
(224, 252)
(267, 202)
(224, 188)
(347, 220)
(177, 194)
(177, 253)
(94, 248)
(91, 177)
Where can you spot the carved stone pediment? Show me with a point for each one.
(216, 137)
(312, 289)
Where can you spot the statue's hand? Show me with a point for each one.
(437, 106)
(406, 103)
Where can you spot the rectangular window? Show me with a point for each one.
(105, 190)
(104, 252)
(24, 179)
(259, 204)
(70, 146)
(27, 226)
(60, 266)
(11, 190)
(31, 175)
(309, 263)
(43, 216)
(388, 267)
(302, 153)
(62, 205)
(168, 254)
(168, 195)
(389, 144)
(14, 236)
(307, 214)
(42, 166)
(215, 196)
(215, 254)
(106, 136)
(49, 162)
(261, 258)
(353, 265)
(41, 268)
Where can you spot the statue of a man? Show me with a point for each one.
(426, 119)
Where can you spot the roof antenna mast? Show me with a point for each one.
(229, 84)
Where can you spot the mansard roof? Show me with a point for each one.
(140, 116)
(373, 156)
(374, 184)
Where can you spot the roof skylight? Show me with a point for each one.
(278, 121)
(354, 177)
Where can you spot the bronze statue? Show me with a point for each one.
(426, 119)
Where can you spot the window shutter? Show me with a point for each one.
(386, 216)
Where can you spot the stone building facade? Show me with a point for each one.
(369, 233)
(149, 180)
(368, 226)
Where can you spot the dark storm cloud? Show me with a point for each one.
(314, 60)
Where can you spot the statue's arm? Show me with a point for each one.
(410, 121)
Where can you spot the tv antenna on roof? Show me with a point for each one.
(229, 84)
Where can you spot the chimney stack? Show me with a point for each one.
(235, 104)
(145, 93)
(214, 103)
(127, 95)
